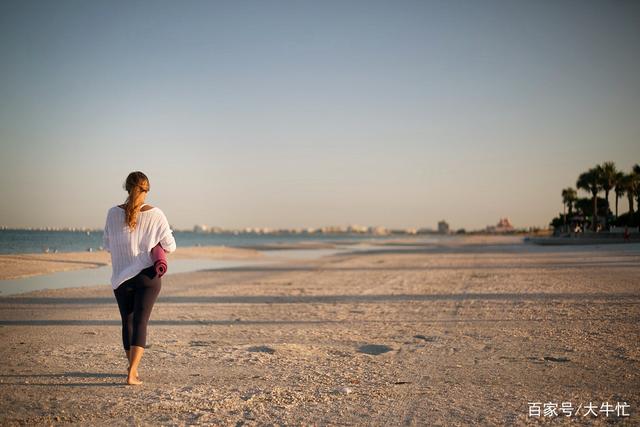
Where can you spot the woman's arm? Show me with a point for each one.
(105, 236)
(167, 241)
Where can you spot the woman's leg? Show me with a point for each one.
(128, 352)
(125, 297)
(136, 355)
(147, 289)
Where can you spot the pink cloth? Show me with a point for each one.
(159, 259)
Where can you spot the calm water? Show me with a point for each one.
(102, 275)
(32, 241)
(26, 241)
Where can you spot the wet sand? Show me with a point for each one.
(26, 265)
(457, 334)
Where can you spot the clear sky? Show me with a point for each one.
(304, 114)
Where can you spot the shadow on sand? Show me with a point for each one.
(209, 322)
(66, 375)
(343, 299)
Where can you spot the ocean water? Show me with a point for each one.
(38, 241)
(100, 276)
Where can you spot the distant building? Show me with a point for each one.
(443, 227)
(356, 229)
(200, 228)
(503, 226)
(378, 230)
(332, 229)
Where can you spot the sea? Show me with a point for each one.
(39, 241)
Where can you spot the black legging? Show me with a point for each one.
(136, 297)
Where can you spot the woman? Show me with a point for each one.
(131, 231)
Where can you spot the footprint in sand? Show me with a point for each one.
(425, 338)
(556, 359)
(261, 349)
(374, 349)
(201, 343)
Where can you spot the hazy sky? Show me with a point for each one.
(304, 114)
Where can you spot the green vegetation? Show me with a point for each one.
(593, 212)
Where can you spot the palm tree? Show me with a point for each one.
(628, 186)
(569, 196)
(636, 182)
(619, 188)
(591, 181)
(608, 181)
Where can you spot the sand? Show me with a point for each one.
(24, 265)
(447, 335)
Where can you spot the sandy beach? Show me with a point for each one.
(14, 266)
(459, 334)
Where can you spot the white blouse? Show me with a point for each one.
(131, 250)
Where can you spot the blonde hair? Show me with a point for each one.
(135, 184)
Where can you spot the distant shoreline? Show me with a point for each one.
(21, 265)
(585, 240)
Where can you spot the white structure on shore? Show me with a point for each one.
(378, 231)
(443, 227)
(200, 228)
(503, 226)
(356, 229)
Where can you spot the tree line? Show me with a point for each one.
(603, 178)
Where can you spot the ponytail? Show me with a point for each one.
(136, 184)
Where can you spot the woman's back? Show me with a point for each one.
(145, 207)
(131, 249)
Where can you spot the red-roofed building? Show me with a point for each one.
(503, 226)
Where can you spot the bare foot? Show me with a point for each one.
(128, 368)
(133, 381)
